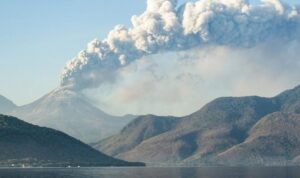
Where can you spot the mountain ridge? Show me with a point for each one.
(204, 136)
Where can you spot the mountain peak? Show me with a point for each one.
(62, 94)
(71, 112)
(6, 105)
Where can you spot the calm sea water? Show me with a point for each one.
(211, 172)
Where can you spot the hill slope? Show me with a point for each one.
(6, 105)
(68, 111)
(274, 139)
(23, 143)
(133, 134)
(224, 131)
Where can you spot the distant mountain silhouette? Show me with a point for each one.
(6, 105)
(70, 112)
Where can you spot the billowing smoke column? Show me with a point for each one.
(165, 27)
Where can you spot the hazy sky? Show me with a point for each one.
(39, 37)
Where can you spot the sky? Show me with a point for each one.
(39, 37)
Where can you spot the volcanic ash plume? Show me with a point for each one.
(167, 27)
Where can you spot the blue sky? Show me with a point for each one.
(39, 36)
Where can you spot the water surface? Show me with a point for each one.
(203, 172)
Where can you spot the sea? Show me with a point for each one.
(148, 172)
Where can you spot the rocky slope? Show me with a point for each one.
(243, 130)
(274, 139)
(133, 134)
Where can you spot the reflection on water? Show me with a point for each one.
(208, 172)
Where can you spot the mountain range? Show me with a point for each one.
(69, 112)
(227, 131)
(23, 144)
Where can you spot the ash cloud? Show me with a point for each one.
(164, 27)
(180, 83)
(176, 58)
